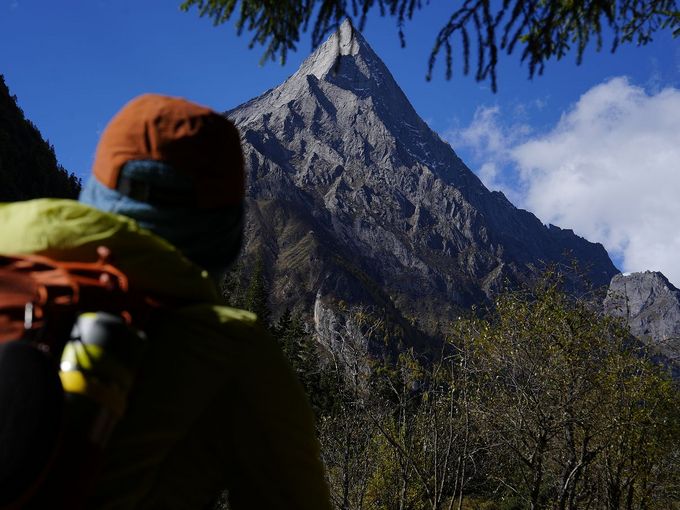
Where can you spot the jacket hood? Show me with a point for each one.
(72, 231)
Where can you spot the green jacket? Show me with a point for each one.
(216, 404)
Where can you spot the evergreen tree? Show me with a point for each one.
(232, 286)
(539, 29)
(303, 352)
(257, 293)
(282, 327)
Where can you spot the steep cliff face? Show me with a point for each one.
(28, 166)
(354, 197)
(651, 306)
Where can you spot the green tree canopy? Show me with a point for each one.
(542, 29)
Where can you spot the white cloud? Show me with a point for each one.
(491, 144)
(609, 169)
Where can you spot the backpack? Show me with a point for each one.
(70, 342)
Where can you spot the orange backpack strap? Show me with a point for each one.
(35, 287)
(32, 287)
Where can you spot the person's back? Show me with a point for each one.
(215, 405)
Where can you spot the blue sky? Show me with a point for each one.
(72, 64)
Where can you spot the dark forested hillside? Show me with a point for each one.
(28, 166)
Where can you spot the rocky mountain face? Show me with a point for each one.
(28, 166)
(354, 199)
(651, 306)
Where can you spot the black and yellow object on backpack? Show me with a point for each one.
(97, 370)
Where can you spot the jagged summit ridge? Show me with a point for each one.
(344, 42)
(345, 55)
(385, 203)
(346, 83)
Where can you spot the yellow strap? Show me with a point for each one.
(109, 396)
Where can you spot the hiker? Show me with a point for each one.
(215, 404)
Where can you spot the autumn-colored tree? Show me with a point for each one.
(347, 433)
(574, 414)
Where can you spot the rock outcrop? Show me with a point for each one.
(651, 306)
